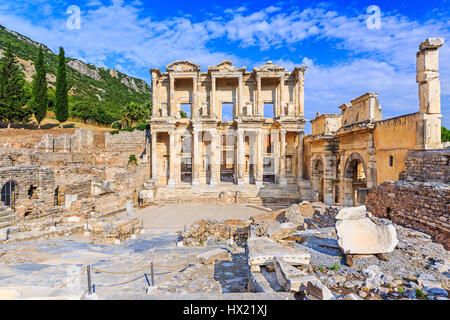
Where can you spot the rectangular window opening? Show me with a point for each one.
(227, 111)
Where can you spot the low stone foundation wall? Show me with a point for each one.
(423, 206)
(430, 165)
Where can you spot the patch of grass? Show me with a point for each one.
(321, 268)
(419, 293)
(280, 290)
(336, 267)
(400, 289)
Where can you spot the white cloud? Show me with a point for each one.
(121, 33)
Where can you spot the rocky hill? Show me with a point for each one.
(99, 87)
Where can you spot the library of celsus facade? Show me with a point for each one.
(242, 128)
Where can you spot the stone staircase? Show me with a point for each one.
(7, 217)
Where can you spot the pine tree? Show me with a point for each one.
(13, 96)
(61, 99)
(40, 100)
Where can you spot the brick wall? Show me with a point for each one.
(421, 199)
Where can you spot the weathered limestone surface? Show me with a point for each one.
(352, 213)
(262, 250)
(277, 231)
(363, 236)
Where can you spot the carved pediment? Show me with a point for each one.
(226, 66)
(182, 66)
(270, 67)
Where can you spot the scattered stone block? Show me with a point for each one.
(352, 296)
(277, 231)
(210, 256)
(289, 277)
(319, 290)
(262, 250)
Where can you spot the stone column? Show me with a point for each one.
(300, 157)
(154, 157)
(240, 157)
(240, 96)
(428, 135)
(281, 107)
(301, 96)
(212, 97)
(283, 157)
(196, 159)
(172, 160)
(172, 108)
(214, 162)
(195, 112)
(259, 99)
(154, 95)
(259, 159)
(276, 154)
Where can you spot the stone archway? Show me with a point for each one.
(318, 179)
(355, 178)
(9, 193)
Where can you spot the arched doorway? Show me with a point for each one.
(318, 179)
(356, 179)
(8, 193)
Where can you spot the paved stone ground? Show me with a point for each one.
(38, 268)
(176, 216)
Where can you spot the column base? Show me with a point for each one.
(213, 182)
(259, 183)
(283, 181)
(195, 182)
(171, 182)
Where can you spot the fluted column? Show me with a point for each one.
(172, 163)
(276, 154)
(154, 157)
(301, 98)
(283, 157)
(196, 157)
(259, 104)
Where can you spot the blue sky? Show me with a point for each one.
(345, 58)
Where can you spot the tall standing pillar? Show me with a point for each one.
(300, 157)
(276, 154)
(428, 135)
(154, 135)
(259, 99)
(196, 157)
(172, 162)
(283, 180)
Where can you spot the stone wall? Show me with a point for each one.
(422, 206)
(81, 141)
(125, 141)
(430, 165)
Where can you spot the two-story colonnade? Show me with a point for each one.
(227, 126)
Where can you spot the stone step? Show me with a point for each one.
(7, 218)
(5, 224)
(4, 208)
(223, 296)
